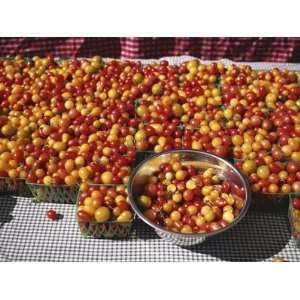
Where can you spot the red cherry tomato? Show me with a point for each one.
(84, 216)
(51, 214)
(226, 187)
(188, 195)
(151, 189)
(296, 203)
(3, 174)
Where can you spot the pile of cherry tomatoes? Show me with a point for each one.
(104, 204)
(82, 121)
(185, 199)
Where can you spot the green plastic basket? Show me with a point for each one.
(105, 230)
(63, 194)
(14, 187)
(294, 222)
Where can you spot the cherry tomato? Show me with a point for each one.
(51, 214)
(84, 216)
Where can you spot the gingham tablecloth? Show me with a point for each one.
(279, 49)
(26, 234)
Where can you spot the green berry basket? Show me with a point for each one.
(14, 187)
(294, 218)
(105, 230)
(63, 194)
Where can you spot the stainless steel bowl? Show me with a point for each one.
(201, 160)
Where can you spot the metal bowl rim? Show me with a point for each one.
(192, 235)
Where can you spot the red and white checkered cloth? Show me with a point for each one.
(236, 49)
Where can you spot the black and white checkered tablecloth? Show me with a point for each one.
(26, 234)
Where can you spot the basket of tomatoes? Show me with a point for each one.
(272, 181)
(104, 160)
(12, 175)
(14, 187)
(294, 217)
(63, 194)
(103, 211)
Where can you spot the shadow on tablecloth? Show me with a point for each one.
(7, 205)
(144, 231)
(258, 237)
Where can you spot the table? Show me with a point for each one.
(26, 234)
